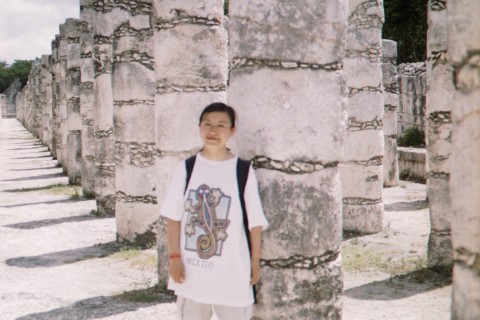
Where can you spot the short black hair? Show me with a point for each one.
(219, 107)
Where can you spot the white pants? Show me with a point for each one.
(191, 310)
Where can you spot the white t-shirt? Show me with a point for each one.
(213, 242)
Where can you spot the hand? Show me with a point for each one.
(255, 271)
(176, 270)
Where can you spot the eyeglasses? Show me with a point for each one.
(219, 127)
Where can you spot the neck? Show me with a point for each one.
(216, 154)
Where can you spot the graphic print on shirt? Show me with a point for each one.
(207, 221)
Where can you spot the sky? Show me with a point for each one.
(27, 27)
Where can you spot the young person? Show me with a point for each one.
(211, 267)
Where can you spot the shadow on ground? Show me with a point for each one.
(41, 176)
(101, 307)
(43, 202)
(403, 286)
(407, 205)
(36, 168)
(48, 187)
(66, 257)
(51, 222)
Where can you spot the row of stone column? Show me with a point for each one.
(453, 136)
(412, 87)
(118, 101)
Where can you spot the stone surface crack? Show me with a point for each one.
(467, 258)
(290, 166)
(239, 63)
(300, 262)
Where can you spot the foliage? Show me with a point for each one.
(225, 8)
(406, 23)
(20, 69)
(412, 137)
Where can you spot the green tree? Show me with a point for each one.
(406, 23)
(20, 69)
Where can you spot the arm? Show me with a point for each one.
(256, 242)
(176, 268)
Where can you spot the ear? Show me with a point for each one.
(233, 130)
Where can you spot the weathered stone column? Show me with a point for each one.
(412, 81)
(191, 68)
(71, 30)
(56, 118)
(62, 100)
(47, 106)
(31, 101)
(19, 102)
(104, 18)
(361, 170)
(464, 55)
(3, 104)
(87, 112)
(287, 83)
(440, 95)
(133, 83)
(390, 102)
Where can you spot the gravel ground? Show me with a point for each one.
(59, 262)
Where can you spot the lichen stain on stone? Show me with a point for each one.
(145, 240)
(297, 212)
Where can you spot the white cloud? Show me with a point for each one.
(27, 27)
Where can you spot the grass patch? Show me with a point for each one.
(412, 137)
(357, 257)
(137, 257)
(148, 295)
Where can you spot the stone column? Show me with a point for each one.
(104, 18)
(19, 102)
(440, 96)
(361, 170)
(47, 116)
(390, 102)
(287, 83)
(87, 112)
(133, 83)
(63, 127)
(464, 55)
(3, 105)
(37, 99)
(72, 30)
(56, 119)
(191, 72)
(412, 81)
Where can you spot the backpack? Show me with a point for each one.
(243, 167)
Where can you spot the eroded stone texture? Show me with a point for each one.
(287, 85)
(56, 119)
(103, 17)
(3, 104)
(361, 169)
(191, 72)
(440, 95)
(71, 30)
(464, 55)
(62, 100)
(47, 103)
(412, 80)
(390, 102)
(87, 111)
(8, 109)
(35, 99)
(133, 83)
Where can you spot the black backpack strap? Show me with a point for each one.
(189, 164)
(243, 167)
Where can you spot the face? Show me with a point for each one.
(216, 129)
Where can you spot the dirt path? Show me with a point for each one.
(59, 262)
